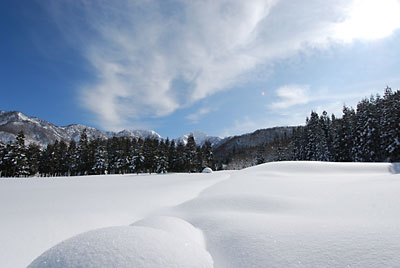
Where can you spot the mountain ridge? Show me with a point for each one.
(42, 132)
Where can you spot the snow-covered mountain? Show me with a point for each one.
(135, 134)
(200, 138)
(42, 132)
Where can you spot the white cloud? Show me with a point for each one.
(152, 57)
(369, 19)
(195, 117)
(291, 95)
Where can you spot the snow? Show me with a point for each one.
(287, 214)
(199, 137)
(207, 170)
(125, 247)
(38, 213)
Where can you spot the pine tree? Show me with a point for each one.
(2, 163)
(100, 164)
(83, 154)
(21, 161)
(33, 155)
(139, 160)
(172, 157)
(9, 162)
(391, 125)
(190, 154)
(200, 159)
(208, 155)
(72, 159)
(162, 166)
(61, 154)
(367, 135)
(348, 135)
(180, 157)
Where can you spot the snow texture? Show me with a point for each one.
(282, 215)
(125, 247)
(38, 213)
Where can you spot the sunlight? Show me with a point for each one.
(370, 19)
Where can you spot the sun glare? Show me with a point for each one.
(370, 19)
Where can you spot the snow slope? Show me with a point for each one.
(288, 214)
(38, 213)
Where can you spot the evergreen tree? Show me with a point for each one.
(348, 135)
(139, 160)
(46, 167)
(2, 154)
(367, 136)
(100, 164)
(390, 135)
(33, 155)
(72, 159)
(162, 158)
(172, 157)
(61, 156)
(83, 154)
(20, 160)
(208, 155)
(200, 159)
(180, 158)
(190, 154)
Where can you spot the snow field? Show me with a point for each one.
(38, 213)
(324, 215)
(283, 215)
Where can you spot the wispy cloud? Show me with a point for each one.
(291, 95)
(152, 57)
(195, 117)
(240, 126)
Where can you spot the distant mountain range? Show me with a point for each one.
(234, 152)
(42, 132)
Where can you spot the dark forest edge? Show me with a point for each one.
(370, 133)
(117, 155)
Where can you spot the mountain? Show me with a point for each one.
(200, 138)
(42, 132)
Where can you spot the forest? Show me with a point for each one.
(369, 133)
(117, 155)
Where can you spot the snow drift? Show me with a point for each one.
(125, 247)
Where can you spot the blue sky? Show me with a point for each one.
(224, 67)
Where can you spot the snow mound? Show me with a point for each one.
(175, 226)
(207, 170)
(125, 247)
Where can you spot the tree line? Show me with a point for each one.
(370, 133)
(117, 155)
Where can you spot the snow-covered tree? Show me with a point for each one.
(100, 165)
(20, 160)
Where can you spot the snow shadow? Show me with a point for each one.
(394, 168)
